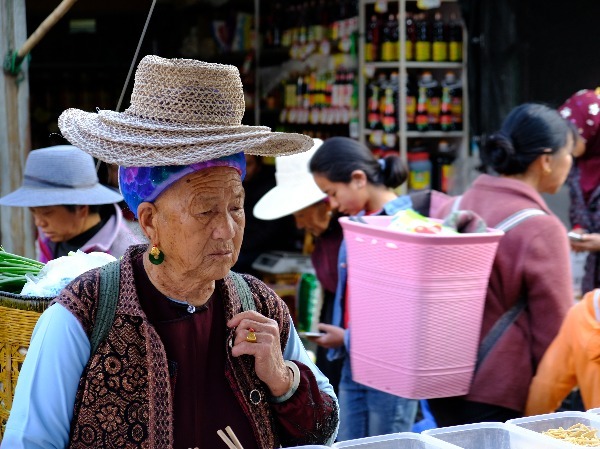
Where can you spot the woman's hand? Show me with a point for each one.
(268, 359)
(589, 242)
(333, 338)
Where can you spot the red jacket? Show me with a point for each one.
(532, 258)
(572, 359)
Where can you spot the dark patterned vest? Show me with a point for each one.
(124, 398)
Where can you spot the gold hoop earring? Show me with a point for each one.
(156, 256)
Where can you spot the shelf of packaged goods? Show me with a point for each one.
(414, 65)
(368, 2)
(434, 134)
(433, 65)
(425, 134)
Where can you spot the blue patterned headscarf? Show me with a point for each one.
(140, 184)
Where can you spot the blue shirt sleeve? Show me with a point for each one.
(45, 394)
(294, 350)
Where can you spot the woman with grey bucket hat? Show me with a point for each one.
(71, 209)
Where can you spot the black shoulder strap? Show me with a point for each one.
(107, 303)
(243, 291)
(511, 315)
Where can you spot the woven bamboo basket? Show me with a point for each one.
(18, 315)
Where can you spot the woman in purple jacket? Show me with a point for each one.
(531, 155)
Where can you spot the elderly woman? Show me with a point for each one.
(191, 347)
(71, 209)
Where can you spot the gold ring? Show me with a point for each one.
(251, 337)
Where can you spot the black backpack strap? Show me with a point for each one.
(510, 316)
(243, 291)
(107, 303)
(499, 328)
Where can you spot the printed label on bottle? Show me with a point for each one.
(455, 51)
(411, 109)
(409, 51)
(387, 51)
(369, 52)
(440, 51)
(456, 111)
(422, 122)
(423, 50)
(447, 173)
(433, 108)
(446, 122)
(419, 179)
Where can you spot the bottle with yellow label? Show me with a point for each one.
(389, 45)
(455, 38)
(372, 40)
(423, 44)
(411, 37)
(440, 43)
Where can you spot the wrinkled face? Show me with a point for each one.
(314, 218)
(58, 222)
(347, 198)
(560, 165)
(200, 222)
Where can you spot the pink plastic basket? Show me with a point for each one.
(416, 304)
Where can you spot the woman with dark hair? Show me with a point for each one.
(531, 155)
(582, 110)
(357, 183)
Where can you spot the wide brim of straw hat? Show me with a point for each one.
(29, 196)
(127, 140)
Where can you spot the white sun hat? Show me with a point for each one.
(182, 112)
(295, 189)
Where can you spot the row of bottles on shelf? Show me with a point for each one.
(431, 168)
(303, 25)
(428, 167)
(436, 40)
(320, 98)
(430, 105)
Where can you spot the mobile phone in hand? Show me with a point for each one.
(575, 236)
(311, 334)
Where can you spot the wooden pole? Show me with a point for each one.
(17, 232)
(44, 27)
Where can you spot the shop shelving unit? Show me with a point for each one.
(460, 139)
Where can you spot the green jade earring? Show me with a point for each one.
(156, 256)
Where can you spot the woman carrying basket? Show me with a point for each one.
(192, 347)
(531, 273)
(357, 183)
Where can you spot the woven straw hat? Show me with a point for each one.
(182, 111)
(295, 189)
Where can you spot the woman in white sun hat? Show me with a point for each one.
(176, 347)
(71, 209)
(297, 194)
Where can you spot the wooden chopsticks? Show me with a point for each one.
(232, 441)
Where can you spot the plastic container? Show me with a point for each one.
(416, 304)
(491, 435)
(419, 171)
(595, 411)
(542, 423)
(404, 440)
